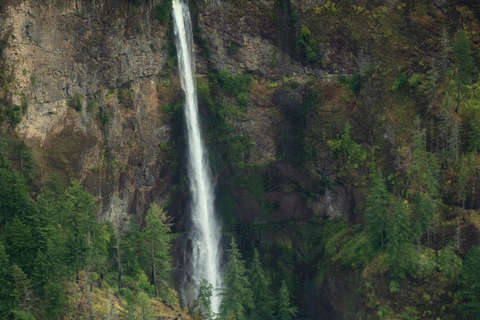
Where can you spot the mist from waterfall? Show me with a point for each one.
(205, 234)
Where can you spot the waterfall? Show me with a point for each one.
(205, 234)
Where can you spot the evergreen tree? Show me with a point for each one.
(155, 237)
(22, 292)
(237, 295)
(203, 303)
(469, 275)
(462, 172)
(262, 296)
(285, 312)
(27, 168)
(423, 213)
(474, 134)
(464, 63)
(134, 257)
(423, 171)
(377, 207)
(20, 244)
(5, 284)
(80, 210)
(145, 306)
(398, 235)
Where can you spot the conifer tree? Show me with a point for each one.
(464, 63)
(22, 292)
(145, 306)
(469, 275)
(398, 235)
(81, 222)
(5, 283)
(285, 311)
(203, 303)
(263, 309)
(377, 207)
(155, 237)
(237, 295)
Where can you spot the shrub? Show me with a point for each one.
(164, 11)
(75, 102)
(104, 118)
(399, 82)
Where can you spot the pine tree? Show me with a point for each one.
(22, 292)
(81, 223)
(145, 306)
(377, 207)
(469, 275)
(464, 64)
(285, 312)
(474, 134)
(155, 238)
(398, 236)
(237, 295)
(5, 284)
(262, 298)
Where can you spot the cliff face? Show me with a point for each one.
(92, 78)
(89, 71)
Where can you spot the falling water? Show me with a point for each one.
(205, 235)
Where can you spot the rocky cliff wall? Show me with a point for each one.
(88, 72)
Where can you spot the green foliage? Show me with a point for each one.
(399, 82)
(377, 208)
(23, 315)
(175, 108)
(203, 303)
(423, 172)
(237, 295)
(80, 207)
(263, 309)
(399, 252)
(469, 276)
(5, 282)
(414, 80)
(358, 251)
(309, 47)
(164, 11)
(145, 306)
(344, 145)
(33, 79)
(449, 263)
(75, 102)
(155, 240)
(237, 85)
(130, 299)
(231, 146)
(464, 62)
(285, 311)
(104, 116)
(22, 293)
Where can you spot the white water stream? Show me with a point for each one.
(205, 234)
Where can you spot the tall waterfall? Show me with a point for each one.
(205, 234)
